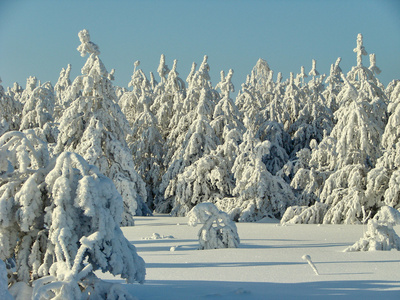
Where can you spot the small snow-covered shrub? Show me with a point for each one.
(380, 234)
(218, 231)
(305, 214)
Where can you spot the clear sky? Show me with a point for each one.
(40, 37)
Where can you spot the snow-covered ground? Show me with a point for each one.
(267, 265)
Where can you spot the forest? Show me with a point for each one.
(83, 157)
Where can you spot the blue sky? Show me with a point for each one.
(40, 37)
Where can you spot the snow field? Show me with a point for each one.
(267, 264)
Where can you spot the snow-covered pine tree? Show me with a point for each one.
(15, 91)
(380, 234)
(199, 90)
(95, 127)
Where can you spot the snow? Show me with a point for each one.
(267, 264)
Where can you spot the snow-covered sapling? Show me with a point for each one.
(218, 230)
(380, 234)
(308, 259)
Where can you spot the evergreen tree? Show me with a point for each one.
(94, 127)
(10, 111)
(60, 221)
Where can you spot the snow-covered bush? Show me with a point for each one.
(218, 230)
(380, 234)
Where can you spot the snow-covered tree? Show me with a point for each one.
(342, 159)
(23, 159)
(169, 98)
(314, 119)
(226, 115)
(38, 113)
(258, 193)
(146, 144)
(335, 83)
(199, 140)
(129, 101)
(218, 230)
(95, 127)
(31, 83)
(60, 221)
(61, 92)
(380, 234)
(83, 233)
(10, 112)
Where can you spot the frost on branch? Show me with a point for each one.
(360, 50)
(86, 46)
(218, 230)
(380, 234)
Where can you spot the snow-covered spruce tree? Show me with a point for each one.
(383, 180)
(350, 151)
(226, 115)
(218, 230)
(38, 113)
(60, 221)
(259, 90)
(335, 83)
(293, 100)
(314, 119)
(31, 83)
(15, 91)
(23, 159)
(169, 97)
(258, 193)
(199, 140)
(83, 235)
(94, 127)
(61, 92)
(209, 179)
(10, 112)
(199, 90)
(146, 145)
(129, 101)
